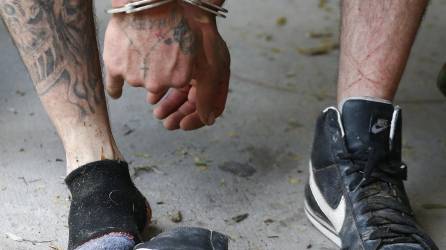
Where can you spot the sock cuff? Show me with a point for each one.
(106, 170)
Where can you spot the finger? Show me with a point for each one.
(153, 98)
(205, 96)
(191, 122)
(192, 97)
(173, 121)
(174, 99)
(113, 85)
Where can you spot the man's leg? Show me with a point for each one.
(355, 194)
(376, 39)
(57, 42)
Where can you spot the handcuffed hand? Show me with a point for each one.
(176, 53)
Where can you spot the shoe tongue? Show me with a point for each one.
(366, 123)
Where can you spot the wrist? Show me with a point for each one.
(119, 3)
(198, 15)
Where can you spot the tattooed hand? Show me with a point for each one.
(174, 52)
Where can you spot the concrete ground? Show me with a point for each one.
(266, 131)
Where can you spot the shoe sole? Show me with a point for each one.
(322, 226)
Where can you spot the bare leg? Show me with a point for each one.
(357, 148)
(57, 42)
(376, 40)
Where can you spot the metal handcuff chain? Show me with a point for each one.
(150, 4)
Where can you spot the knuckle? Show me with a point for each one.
(134, 81)
(155, 88)
(113, 71)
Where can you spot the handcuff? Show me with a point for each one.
(150, 4)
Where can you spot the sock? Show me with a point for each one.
(106, 209)
(112, 241)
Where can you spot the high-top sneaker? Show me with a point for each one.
(355, 194)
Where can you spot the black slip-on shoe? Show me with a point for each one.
(186, 238)
(355, 194)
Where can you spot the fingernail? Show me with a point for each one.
(211, 118)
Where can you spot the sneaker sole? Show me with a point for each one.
(322, 226)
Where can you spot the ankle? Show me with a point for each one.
(78, 155)
(341, 101)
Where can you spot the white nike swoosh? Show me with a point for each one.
(335, 216)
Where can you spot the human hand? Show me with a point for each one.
(174, 52)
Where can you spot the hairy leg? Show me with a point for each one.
(376, 39)
(57, 42)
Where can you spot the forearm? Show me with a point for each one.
(57, 42)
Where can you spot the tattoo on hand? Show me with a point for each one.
(57, 42)
(171, 30)
(183, 36)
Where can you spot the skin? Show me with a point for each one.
(177, 55)
(376, 40)
(57, 42)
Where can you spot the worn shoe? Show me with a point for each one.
(355, 194)
(187, 238)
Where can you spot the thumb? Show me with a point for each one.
(113, 85)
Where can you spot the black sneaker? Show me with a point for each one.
(355, 195)
(187, 238)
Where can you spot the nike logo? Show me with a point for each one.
(337, 215)
(379, 126)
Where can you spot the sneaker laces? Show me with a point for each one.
(390, 221)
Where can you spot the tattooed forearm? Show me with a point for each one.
(57, 42)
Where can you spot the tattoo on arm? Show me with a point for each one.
(57, 42)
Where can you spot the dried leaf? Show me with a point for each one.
(177, 217)
(240, 218)
(268, 221)
(324, 48)
(201, 163)
(142, 155)
(281, 21)
(316, 35)
(146, 168)
(293, 181)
